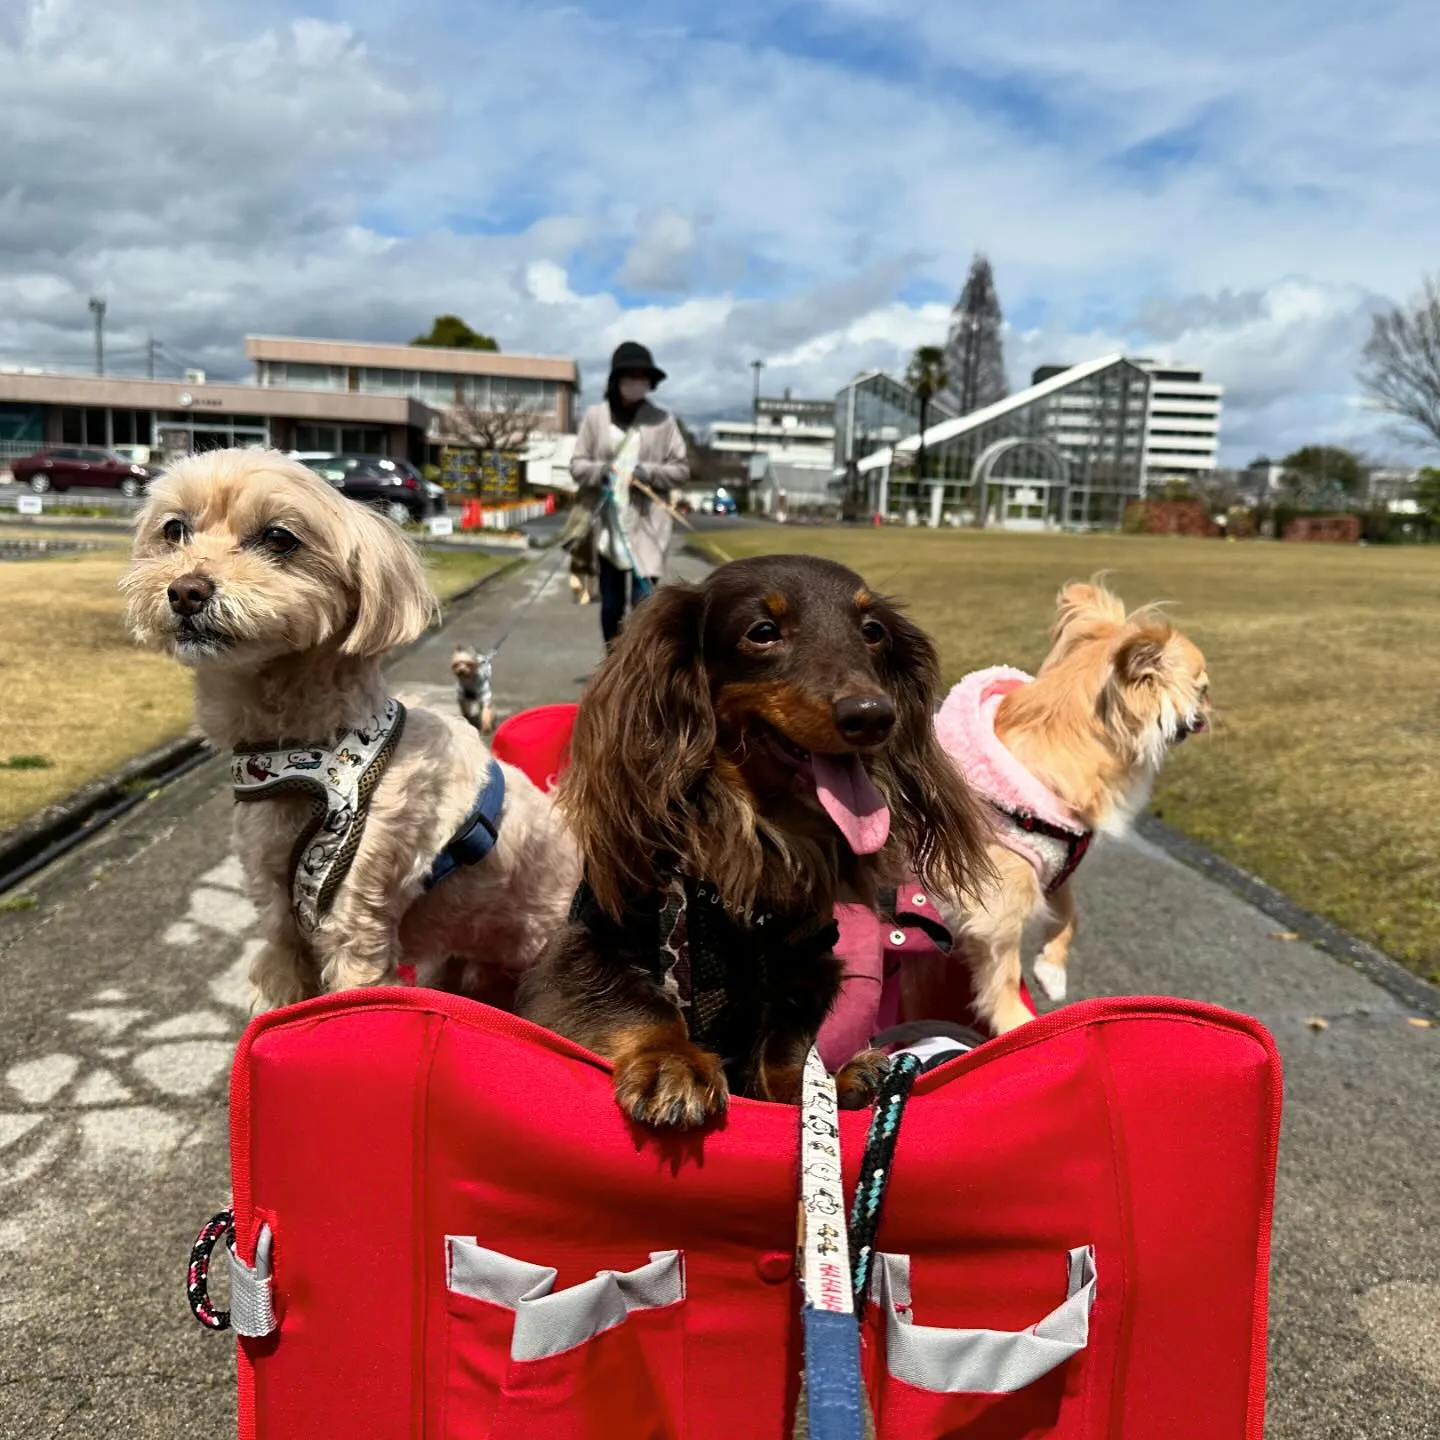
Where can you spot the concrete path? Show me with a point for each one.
(125, 993)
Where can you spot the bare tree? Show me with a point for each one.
(493, 434)
(1402, 362)
(501, 428)
(1217, 490)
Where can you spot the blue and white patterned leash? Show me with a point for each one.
(835, 1290)
(833, 1392)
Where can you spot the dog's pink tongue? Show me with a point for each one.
(852, 801)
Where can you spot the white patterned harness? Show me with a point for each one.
(338, 780)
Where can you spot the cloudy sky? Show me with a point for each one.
(803, 181)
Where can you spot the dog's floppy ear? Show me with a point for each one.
(643, 738)
(1145, 655)
(937, 820)
(393, 602)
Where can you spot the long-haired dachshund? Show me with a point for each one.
(756, 748)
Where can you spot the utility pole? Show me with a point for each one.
(97, 309)
(757, 366)
(151, 346)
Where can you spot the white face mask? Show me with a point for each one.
(633, 389)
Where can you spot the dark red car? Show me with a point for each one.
(63, 467)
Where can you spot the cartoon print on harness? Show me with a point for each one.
(257, 767)
(752, 747)
(284, 597)
(1072, 752)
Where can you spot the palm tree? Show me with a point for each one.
(926, 377)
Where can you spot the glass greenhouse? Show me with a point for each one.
(1069, 451)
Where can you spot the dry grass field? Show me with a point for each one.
(1323, 774)
(76, 697)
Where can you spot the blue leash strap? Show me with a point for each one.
(833, 1387)
(476, 837)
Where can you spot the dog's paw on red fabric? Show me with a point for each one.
(860, 1079)
(670, 1085)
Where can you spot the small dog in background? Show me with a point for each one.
(1059, 757)
(584, 574)
(755, 748)
(472, 687)
(365, 823)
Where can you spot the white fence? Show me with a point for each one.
(501, 517)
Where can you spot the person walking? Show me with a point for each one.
(629, 459)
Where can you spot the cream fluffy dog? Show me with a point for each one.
(1090, 733)
(283, 596)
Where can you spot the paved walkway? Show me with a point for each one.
(125, 993)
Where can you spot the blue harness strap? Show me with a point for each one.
(476, 837)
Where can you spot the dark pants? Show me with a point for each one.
(619, 590)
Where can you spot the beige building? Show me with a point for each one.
(440, 378)
(308, 395)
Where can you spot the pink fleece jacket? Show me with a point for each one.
(1029, 818)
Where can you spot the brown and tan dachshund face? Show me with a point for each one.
(777, 706)
(801, 661)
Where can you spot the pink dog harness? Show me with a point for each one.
(1028, 818)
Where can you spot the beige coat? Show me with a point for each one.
(661, 465)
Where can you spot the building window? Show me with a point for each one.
(383, 382)
(344, 440)
(132, 427)
(304, 377)
(357, 441)
(317, 437)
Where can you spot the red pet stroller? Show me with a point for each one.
(445, 1228)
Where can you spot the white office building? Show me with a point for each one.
(788, 432)
(1182, 420)
(1182, 427)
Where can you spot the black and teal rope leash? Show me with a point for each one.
(875, 1167)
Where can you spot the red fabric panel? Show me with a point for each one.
(628, 1381)
(335, 1155)
(369, 1125)
(476, 1349)
(537, 741)
(1199, 1159)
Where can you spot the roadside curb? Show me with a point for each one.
(64, 823)
(69, 821)
(1374, 964)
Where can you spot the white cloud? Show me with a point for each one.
(660, 258)
(548, 283)
(258, 168)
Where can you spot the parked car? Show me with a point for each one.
(394, 487)
(62, 467)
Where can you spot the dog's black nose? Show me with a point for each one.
(190, 593)
(865, 719)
